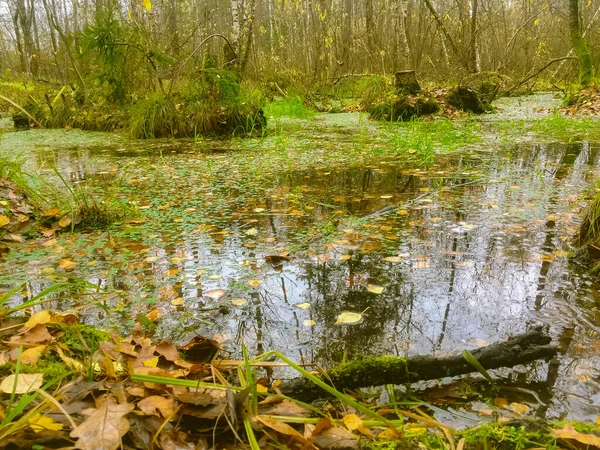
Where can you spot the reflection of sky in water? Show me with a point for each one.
(481, 260)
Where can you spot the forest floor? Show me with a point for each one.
(436, 236)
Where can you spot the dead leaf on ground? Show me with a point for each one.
(336, 438)
(168, 351)
(26, 382)
(352, 422)
(39, 423)
(568, 432)
(35, 335)
(155, 403)
(105, 426)
(31, 355)
(286, 408)
(40, 317)
(280, 427)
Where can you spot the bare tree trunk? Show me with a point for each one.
(271, 28)
(24, 21)
(370, 27)
(173, 27)
(249, 21)
(346, 33)
(473, 48)
(236, 6)
(402, 46)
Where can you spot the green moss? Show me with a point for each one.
(507, 437)
(73, 335)
(48, 365)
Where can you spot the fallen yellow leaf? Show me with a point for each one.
(373, 288)
(347, 318)
(67, 264)
(40, 317)
(352, 422)
(40, 423)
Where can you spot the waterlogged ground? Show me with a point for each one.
(442, 240)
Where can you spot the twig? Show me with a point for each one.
(548, 64)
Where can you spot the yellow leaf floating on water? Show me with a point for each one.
(252, 232)
(373, 288)
(65, 221)
(4, 220)
(214, 294)
(309, 323)
(568, 432)
(348, 318)
(40, 423)
(402, 212)
(177, 301)
(259, 210)
(67, 264)
(147, 4)
(304, 305)
(393, 259)
(26, 382)
(519, 408)
(239, 301)
(254, 283)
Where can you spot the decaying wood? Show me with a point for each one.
(406, 81)
(377, 371)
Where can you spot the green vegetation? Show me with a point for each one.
(587, 239)
(292, 106)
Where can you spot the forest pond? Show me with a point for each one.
(249, 241)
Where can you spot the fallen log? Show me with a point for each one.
(381, 370)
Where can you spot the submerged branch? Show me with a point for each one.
(377, 371)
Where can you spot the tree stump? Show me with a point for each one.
(406, 82)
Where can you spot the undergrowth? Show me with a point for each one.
(292, 106)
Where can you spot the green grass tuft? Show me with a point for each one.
(289, 107)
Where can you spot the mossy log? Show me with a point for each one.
(466, 99)
(377, 371)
